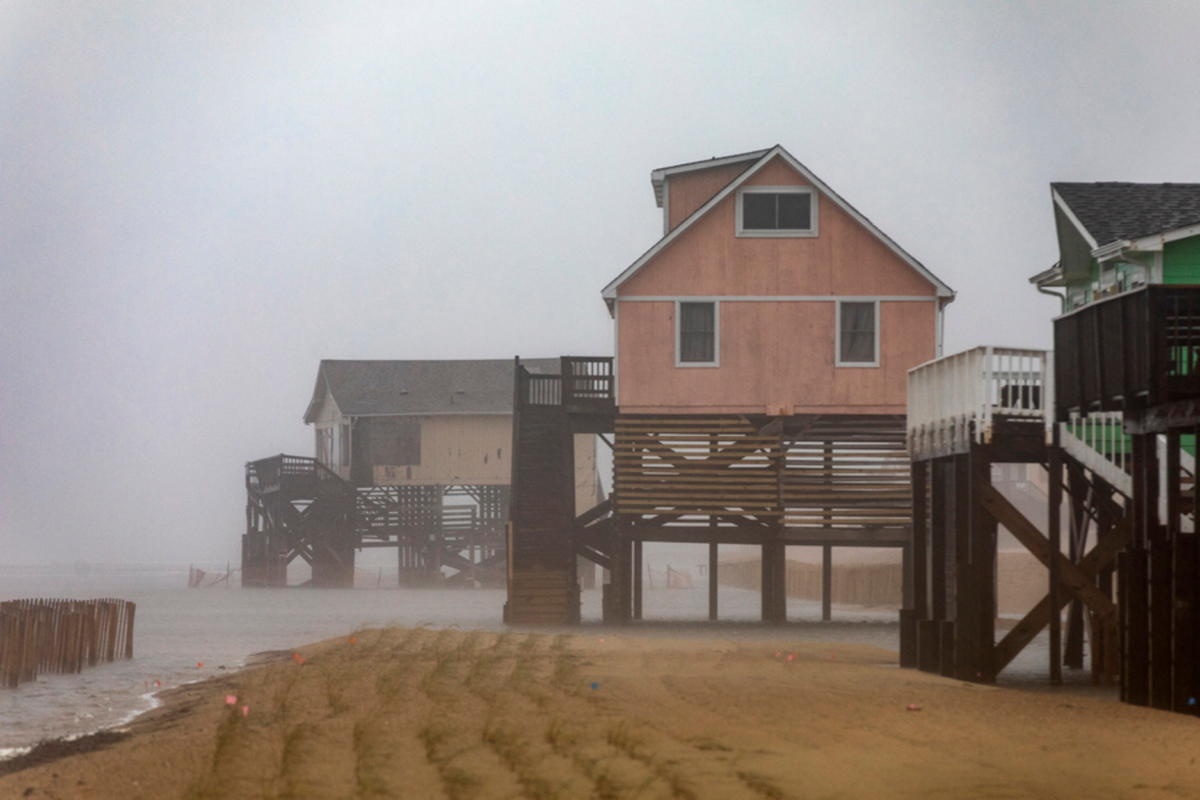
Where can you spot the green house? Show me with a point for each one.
(1115, 237)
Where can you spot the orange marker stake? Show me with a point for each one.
(199, 665)
(245, 711)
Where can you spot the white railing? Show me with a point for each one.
(955, 398)
(1098, 442)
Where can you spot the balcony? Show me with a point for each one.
(1136, 350)
(959, 400)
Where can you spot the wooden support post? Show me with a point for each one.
(1135, 676)
(1076, 545)
(916, 590)
(965, 590)
(983, 568)
(638, 567)
(1055, 526)
(1162, 581)
(937, 540)
(713, 566)
(826, 583)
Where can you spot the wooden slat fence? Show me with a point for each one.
(61, 636)
(837, 471)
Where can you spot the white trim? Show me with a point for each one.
(666, 207)
(658, 176)
(616, 315)
(440, 413)
(939, 328)
(781, 298)
(716, 362)
(837, 336)
(610, 291)
(1074, 220)
(782, 233)
(1156, 241)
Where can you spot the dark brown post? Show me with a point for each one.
(983, 567)
(713, 566)
(826, 583)
(637, 579)
(1055, 526)
(966, 590)
(1076, 544)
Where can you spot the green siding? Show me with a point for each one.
(1181, 261)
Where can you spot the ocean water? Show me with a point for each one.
(184, 635)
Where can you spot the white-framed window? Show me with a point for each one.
(857, 333)
(777, 211)
(697, 333)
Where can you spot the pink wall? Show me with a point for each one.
(689, 191)
(773, 355)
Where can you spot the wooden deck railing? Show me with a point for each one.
(61, 636)
(287, 472)
(1137, 349)
(543, 390)
(956, 398)
(587, 380)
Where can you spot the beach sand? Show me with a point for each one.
(451, 714)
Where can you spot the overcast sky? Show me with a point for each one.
(198, 201)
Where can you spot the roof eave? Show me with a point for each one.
(1049, 277)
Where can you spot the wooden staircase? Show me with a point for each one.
(542, 583)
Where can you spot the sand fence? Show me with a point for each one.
(63, 636)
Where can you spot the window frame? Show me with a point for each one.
(716, 362)
(837, 336)
(811, 232)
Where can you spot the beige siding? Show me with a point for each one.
(587, 492)
(460, 448)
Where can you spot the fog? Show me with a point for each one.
(199, 201)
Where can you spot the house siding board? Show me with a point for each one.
(772, 354)
(688, 191)
(1181, 261)
(455, 449)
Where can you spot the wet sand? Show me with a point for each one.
(450, 714)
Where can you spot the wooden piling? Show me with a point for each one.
(61, 636)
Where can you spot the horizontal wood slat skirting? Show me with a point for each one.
(807, 471)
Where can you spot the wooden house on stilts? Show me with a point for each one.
(411, 455)
(1113, 411)
(757, 394)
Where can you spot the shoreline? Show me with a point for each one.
(44, 751)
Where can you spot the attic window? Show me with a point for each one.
(776, 211)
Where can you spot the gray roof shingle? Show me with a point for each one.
(1116, 211)
(421, 387)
